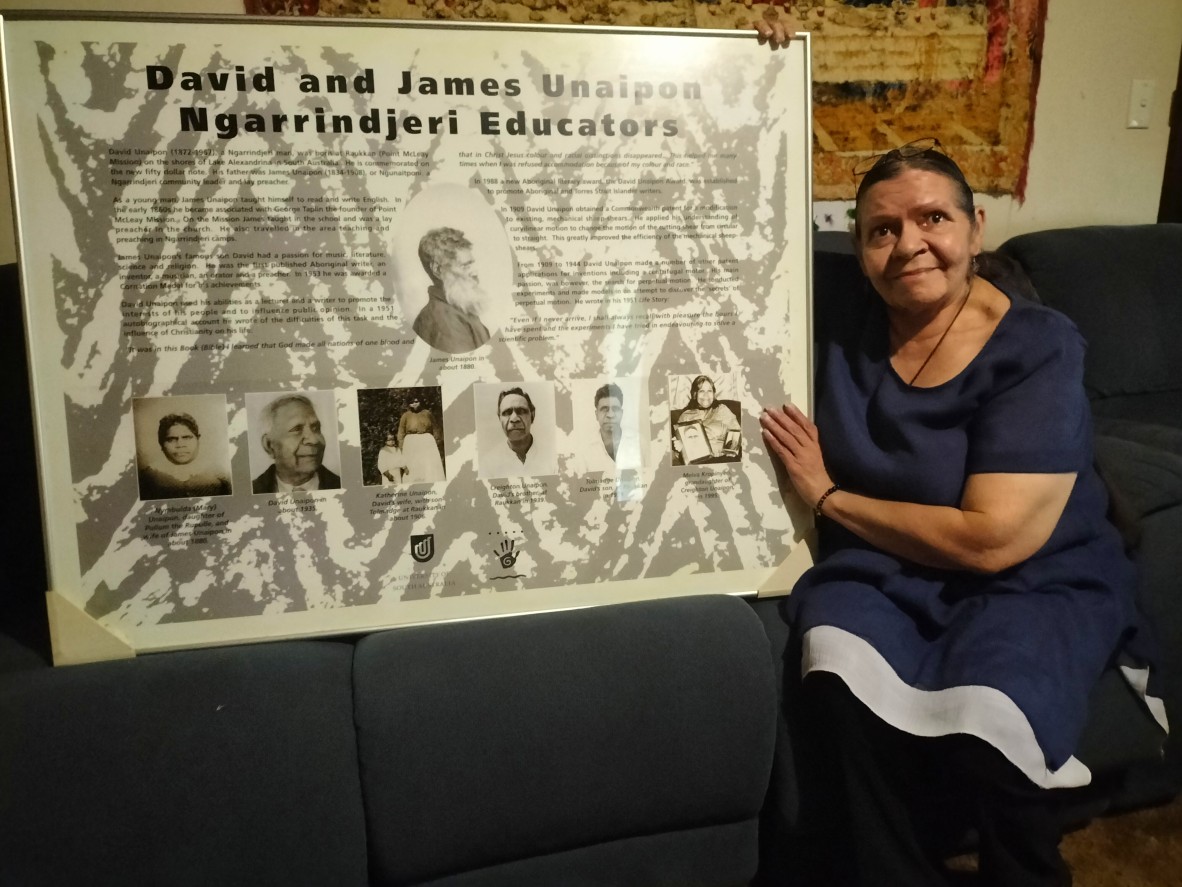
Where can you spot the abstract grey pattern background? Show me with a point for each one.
(161, 260)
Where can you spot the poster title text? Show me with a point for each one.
(390, 123)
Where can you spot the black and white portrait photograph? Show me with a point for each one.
(182, 446)
(516, 433)
(293, 441)
(607, 421)
(401, 435)
(705, 418)
(453, 268)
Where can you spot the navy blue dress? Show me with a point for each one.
(1010, 657)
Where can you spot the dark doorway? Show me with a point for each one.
(1170, 208)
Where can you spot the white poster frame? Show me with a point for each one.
(115, 585)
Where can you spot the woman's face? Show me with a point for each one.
(915, 243)
(705, 395)
(180, 444)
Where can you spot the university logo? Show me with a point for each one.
(422, 548)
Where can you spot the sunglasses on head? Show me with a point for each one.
(911, 149)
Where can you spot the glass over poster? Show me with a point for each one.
(352, 325)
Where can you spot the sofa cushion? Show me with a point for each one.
(1143, 478)
(569, 735)
(228, 766)
(1150, 434)
(1122, 285)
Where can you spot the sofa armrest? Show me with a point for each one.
(1143, 468)
(1166, 438)
(1144, 478)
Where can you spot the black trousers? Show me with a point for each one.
(883, 807)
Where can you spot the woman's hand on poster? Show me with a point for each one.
(792, 438)
(773, 32)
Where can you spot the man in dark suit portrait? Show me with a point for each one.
(294, 441)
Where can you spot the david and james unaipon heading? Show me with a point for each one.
(390, 123)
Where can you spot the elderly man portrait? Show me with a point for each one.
(518, 452)
(292, 437)
(452, 320)
(183, 473)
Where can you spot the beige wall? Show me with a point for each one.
(1085, 166)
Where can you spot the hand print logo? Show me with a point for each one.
(506, 554)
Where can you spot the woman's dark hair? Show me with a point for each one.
(896, 162)
(1007, 275)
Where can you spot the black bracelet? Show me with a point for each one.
(829, 492)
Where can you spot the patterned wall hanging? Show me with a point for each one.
(884, 71)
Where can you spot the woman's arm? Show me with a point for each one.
(1001, 521)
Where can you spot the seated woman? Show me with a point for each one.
(969, 590)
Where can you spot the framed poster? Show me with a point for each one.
(343, 326)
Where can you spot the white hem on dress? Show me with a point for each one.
(1138, 679)
(977, 710)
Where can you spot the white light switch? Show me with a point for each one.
(1140, 101)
